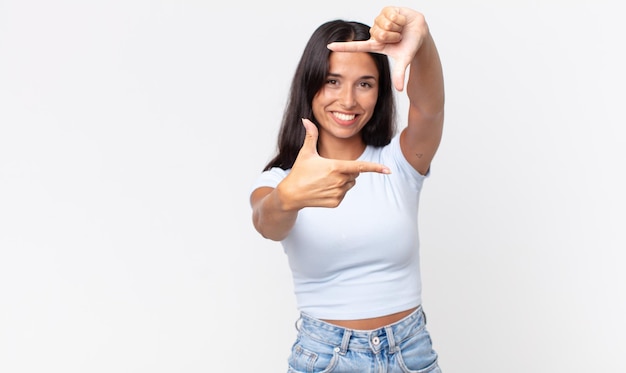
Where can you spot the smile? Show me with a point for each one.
(342, 116)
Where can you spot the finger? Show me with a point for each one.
(385, 36)
(370, 45)
(390, 22)
(361, 166)
(391, 18)
(310, 139)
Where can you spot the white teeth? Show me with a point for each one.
(342, 116)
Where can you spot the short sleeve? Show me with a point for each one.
(392, 155)
(270, 178)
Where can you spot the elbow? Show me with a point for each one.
(427, 108)
(271, 236)
(432, 115)
(265, 231)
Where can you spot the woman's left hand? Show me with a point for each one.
(397, 32)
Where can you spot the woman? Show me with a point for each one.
(353, 247)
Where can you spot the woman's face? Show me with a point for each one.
(346, 102)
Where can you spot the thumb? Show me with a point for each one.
(397, 75)
(310, 139)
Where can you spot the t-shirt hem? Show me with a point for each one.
(358, 315)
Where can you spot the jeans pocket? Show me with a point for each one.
(416, 354)
(308, 356)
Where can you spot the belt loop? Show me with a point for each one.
(391, 340)
(298, 323)
(345, 341)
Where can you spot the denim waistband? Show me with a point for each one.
(364, 340)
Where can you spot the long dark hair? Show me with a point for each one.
(309, 78)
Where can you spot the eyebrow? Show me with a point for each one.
(362, 77)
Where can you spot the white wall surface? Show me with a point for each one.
(131, 130)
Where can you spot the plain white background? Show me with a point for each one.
(130, 132)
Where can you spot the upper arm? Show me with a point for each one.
(420, 140)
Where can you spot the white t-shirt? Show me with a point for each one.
(360, 259)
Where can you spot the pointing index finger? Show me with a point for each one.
(370, 45)
(361, 166)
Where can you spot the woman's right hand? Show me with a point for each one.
(315, 181)
(312, 182)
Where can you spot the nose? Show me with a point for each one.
(347, 98)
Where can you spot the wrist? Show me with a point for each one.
(283, 199)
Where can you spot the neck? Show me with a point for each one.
(342, 149)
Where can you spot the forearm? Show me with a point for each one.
(425, 87)
(271, 218)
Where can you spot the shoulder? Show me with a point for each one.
(270, 178)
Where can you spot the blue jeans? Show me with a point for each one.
(402, 347)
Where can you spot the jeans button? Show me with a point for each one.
(375, 341)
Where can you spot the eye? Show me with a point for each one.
(332, 82)
(365, 85)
